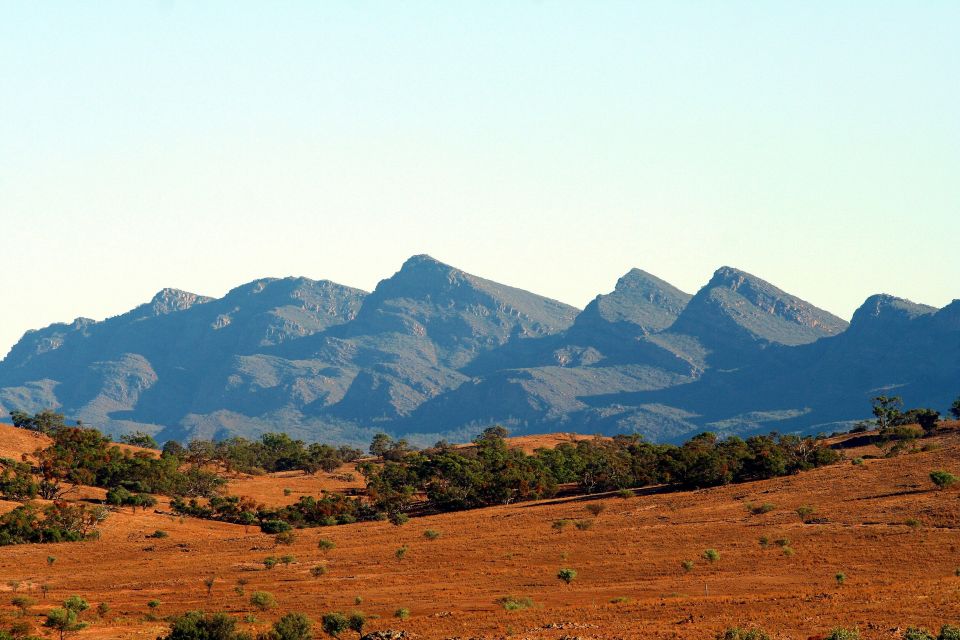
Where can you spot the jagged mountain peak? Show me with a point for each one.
(884, 309)
(170, 300)
(639, 298)
(738, 305)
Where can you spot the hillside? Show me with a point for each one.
(897, 574)
(437, 353)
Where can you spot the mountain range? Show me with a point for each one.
(434, 352)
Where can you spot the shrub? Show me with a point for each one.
(625, 494)
(159, 533)
(583, 525)
(711, 555)
(357, 621)
(567, 575)
(805, 512)
(595, 508)
(400, 553)
(839, 633)
(737, 633)
(208, 582)
(514, 603)
(430, 534)
(914, 633)
(913, 523)
(23, 603)
(788, 551)
(757, 510)
(397, 518)
(559, 525)
(325, 545)
(687, 566)
(782, 542)
(287, 560)
(287, 492)
(857, 461)
(285, 537)
(263, 600)
(275, 526)
(197, 625)
(270, 562)
(318, 571)
(402, 613)
(942, 479)
(949, 632)
(620, 600)
(841, 577)
(334, 624)
(764, 541)
(51, 560)
(153, 604)
(103, 609)
(292, 626)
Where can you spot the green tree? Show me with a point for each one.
(380, 444)
(334, 624)
(64, 621)
(292, 626)
(567, 575)
(955, 409)
(886, 410)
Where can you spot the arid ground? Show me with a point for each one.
(882, 524)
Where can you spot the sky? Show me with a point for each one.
(546, 145)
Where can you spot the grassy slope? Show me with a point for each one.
(896, 574)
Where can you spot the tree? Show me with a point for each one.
(380, 444)
(292, 626)
(139, 439)
(886, 409)
(927, 419)
(955, 409)
(197, 625)
(64, 621)
(334, 624)
(357, 621)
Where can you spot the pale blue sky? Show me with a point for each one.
(547, 145)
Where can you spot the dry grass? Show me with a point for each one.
(896, 575)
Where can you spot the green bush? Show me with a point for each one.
(263, 600)
(292, 626)
(805, 512)
(737, 633)
(159, 533)
(402, 613)
(357, 621)
(275, 526)
(839, 633)
(334, 624)
(325, 545)
(197, 625)
(687, 566)
(430, 534)
(942, 479)
(318, 571)
(514, 603)
(841, 577)
(567, 575)
(949, 632)
(285, 537)
(914, 633)
(711, 555)
(583, 525)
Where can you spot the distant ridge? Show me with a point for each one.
(437, 352)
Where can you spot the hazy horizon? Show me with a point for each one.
(547, 146)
